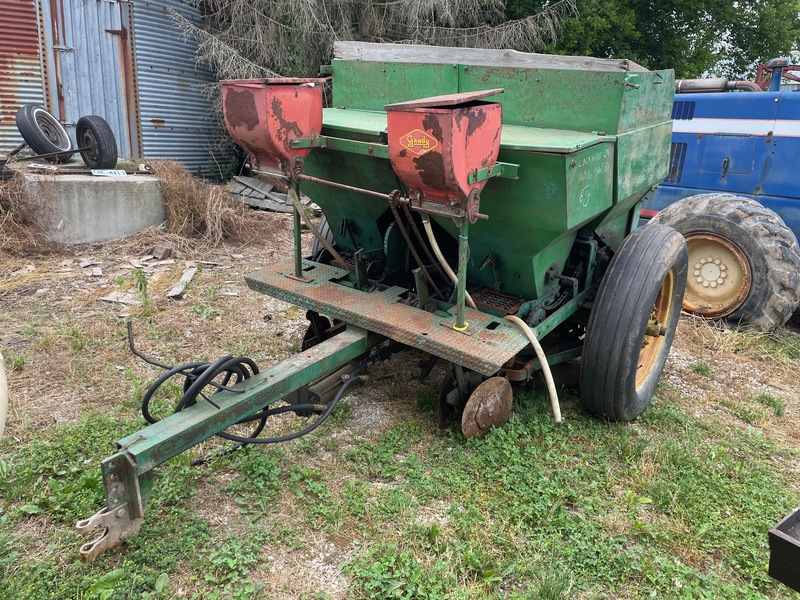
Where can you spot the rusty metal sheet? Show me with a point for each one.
(489, 343)
(433, 150)
(444, 100)
(263, 116)
(20, 66)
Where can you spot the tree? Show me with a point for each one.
(261, 38)
(723, 37)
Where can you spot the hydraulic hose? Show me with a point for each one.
(548, 376)
(3, 395)
(202, 374)
(426, 222)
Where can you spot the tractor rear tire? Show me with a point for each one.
(745, 262)
(632, 323)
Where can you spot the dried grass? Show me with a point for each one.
(19, 233)
(196, 209)
(779, 350)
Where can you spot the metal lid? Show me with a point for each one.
(443, 101)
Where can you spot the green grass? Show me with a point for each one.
(671, 507)
(701, 367)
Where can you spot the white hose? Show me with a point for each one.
(3, 395)
(548, 376)
(440, 257)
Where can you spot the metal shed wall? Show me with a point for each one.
(89, 53)
(20, 66)
(174, 111)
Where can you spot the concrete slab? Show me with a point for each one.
(75, 209)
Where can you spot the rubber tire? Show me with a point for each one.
(93, 128)
(318, 252)
(40, 142)
(619, 318)
(762, 237)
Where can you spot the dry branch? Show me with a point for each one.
(260, 38)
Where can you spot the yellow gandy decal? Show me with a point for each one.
(418, 141)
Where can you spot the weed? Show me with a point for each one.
(140, 281)
(355, 497)
(385, 571)
(30, 331)
(204, 311)
(701, 367)
(772, 402)
(426, 402)
(74, 337)
(14, 361)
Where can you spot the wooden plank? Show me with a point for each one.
(267, 204)
(406, 53)
(177, 291)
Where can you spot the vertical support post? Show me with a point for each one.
(294, 189)
(461, 289)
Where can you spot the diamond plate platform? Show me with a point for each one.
(485, 347)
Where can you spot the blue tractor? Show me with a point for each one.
(733, 191)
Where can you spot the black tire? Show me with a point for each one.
(93, 132)
(754, 246)
(43, 132)
(318, 252)
(621, 362)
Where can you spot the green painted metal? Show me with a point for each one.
(562, 314)
(602, 101)
(578, 151)
(499, 169)
(370, 86)
(177, 433)
(355, 124)
(461, 287)
(343, 145)
(294, 189)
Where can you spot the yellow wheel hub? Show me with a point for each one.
(719, 276)
(656, 329)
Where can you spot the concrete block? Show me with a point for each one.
(75, 209)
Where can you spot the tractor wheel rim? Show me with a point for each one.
(719, 276)
(657, 328)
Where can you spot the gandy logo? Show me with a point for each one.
(418, 141)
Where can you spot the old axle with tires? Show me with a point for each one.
(480, 206)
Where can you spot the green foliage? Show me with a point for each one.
(204, 311)
(385, 571)
(691, 37)
(140, 281)
(701, 367)
(772, 402)
(59, 474)
(14, 361)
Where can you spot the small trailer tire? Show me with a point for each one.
(43, 132)
(632, 323)
(94, 134)
(744, 261)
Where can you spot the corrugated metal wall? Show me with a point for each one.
(125, 61)
(174, 112)
(88, 49)
(20, 66)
